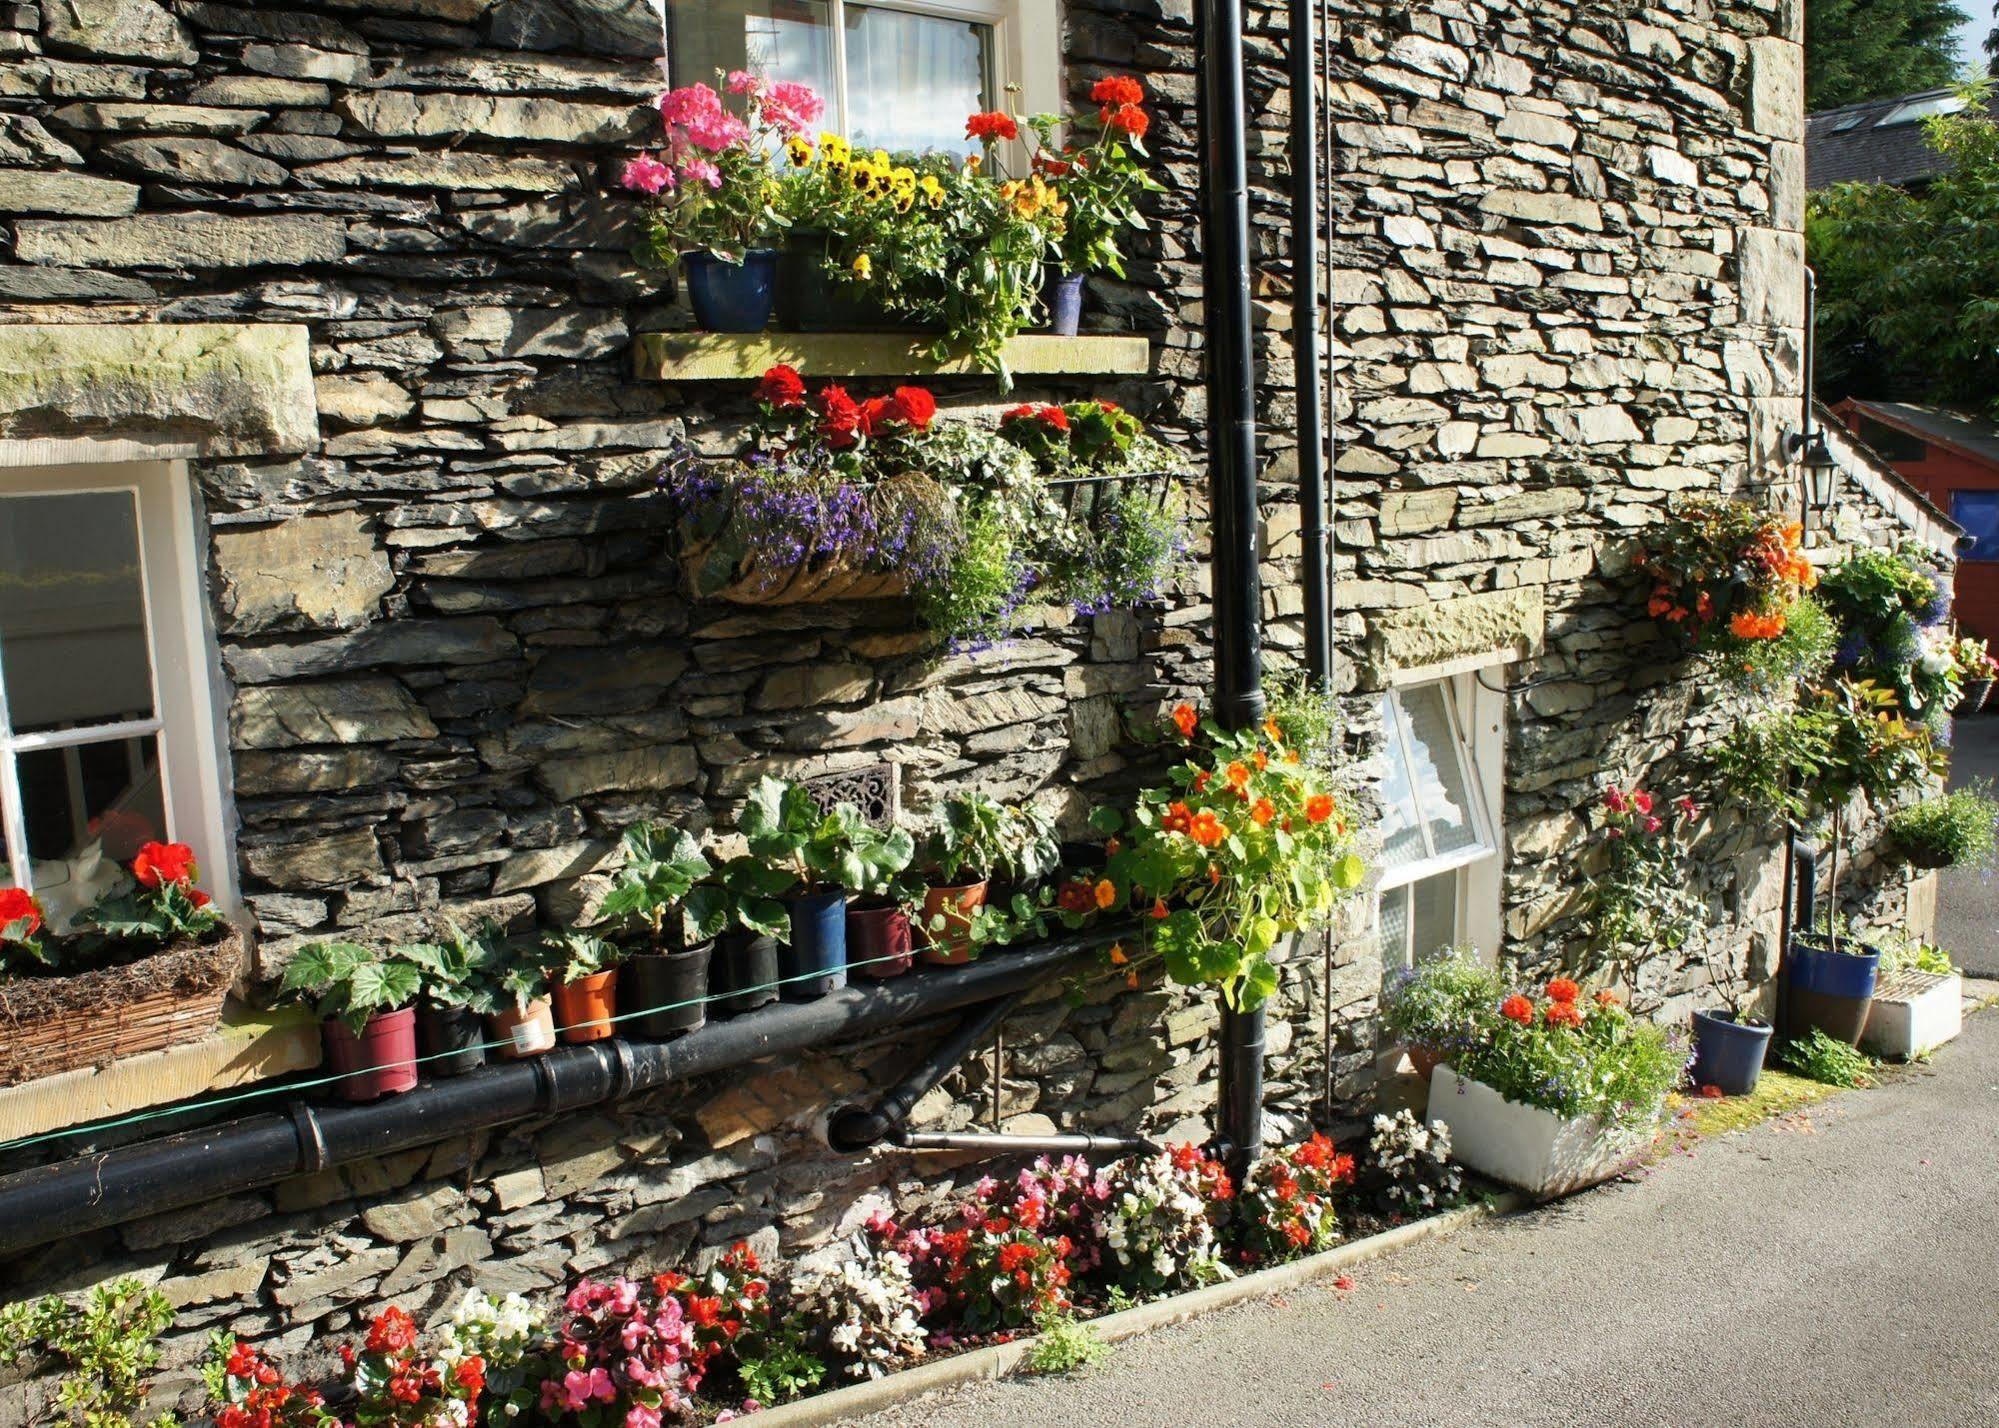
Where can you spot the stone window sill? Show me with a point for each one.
(248, 1046)
(729, 356)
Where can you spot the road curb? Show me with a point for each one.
(844, 1405)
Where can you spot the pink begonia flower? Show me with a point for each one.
(643, 1374)
(634, 1333)
(741, 81)
(624, 1296)
(645, 174)
(1652, 824)
(582, 1296)
(701, 171)
(641, 1416)
(1614, 800)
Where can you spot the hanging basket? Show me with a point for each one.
(53, 1024)
(812, 582)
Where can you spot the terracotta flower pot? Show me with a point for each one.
(381, 1061)
(584, 1007)
(1425, 1061)
(528, 1030)
(879, 939)
(950, 947)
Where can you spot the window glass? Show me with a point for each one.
(1433, 914)
(1401, 825)
(1440, 777)
(1394, 914)
(73, 646)
(88, 808)
(912, 79)
(1978, 513)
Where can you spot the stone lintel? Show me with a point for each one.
(138, 391)
(1456, 634)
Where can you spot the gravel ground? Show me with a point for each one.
(1836, 1267)
(1968, 903)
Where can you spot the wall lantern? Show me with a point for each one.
(1821, 468)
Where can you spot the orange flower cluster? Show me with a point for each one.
(1750, 625)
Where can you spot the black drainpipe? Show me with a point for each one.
(91, 1192)
(1315, 569)
(853, 1128)
(1238, 597)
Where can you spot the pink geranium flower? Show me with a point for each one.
(646, 174)
(701, 171)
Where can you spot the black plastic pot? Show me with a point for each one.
(743, 974)
(669, 988)
(1728, 1054)
(809, 299)
(453, 1040)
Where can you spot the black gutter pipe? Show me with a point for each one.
(1310, 384)
(854, 1128)
(1237, 594)
(91, 1192)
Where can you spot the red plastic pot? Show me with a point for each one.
(879, 939)
(381, 1061)
(584, 1007)
(952, 946)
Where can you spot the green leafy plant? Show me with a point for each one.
(969, 840)
(1640, 902)
(1064, 1344)
(1827, 1060)
(1030, 848)
(1092, 163)
(1575, 1055)
(1248, 841)
(577, 952)
(510, 975)
(108, 1344)
(162, 907)
(745, 893)
(786, 829)
(781, 1371)
(1890, 606)
(1728, 576)
(1801, 654)
(1906, 954)
(1442, 1002)
(662, 871)
(1957, 830)
(346, 982)
(975, 600)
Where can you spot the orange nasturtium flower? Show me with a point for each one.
(1272, 728)
(1319, 807)
(1159, 913)
(1208, 830)
(1186, 720)
(1105, 893)
(1118, 959)
(1237, 775)
(1261, 759)
(1263, 812)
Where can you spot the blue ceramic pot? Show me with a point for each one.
(732, 297)
(1827, 990)
(815, 961)
(1064, 297)
(1728, 1054)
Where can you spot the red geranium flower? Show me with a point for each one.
(1562, 1014)
(1117, 89)
(1127, 117)
(18, 905)
(782, 387)
(839, 417)
(161, 863)
(1517, 1008)
(1564, 990)
(1053, 416)
(991, 125)
(916, 406)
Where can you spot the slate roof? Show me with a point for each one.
(1879, 141)
(1972, 436)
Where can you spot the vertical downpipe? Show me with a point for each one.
(1238, 597)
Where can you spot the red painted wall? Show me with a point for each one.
(1941, 471)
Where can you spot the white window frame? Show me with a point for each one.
(186, 720)
(1027, 48)
(1476, 709)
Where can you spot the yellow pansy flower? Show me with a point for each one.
(864, 267)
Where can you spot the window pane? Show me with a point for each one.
(1401, 835)
(1978, 513)
(1440, 777)
(779, 39)
(88, 808)
(73, 647)
(912, 79)
(1433, 915)
(1395, 928)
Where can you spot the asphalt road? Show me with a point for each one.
(1834, 1269)
(1968, 900)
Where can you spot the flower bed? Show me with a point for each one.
(1059, 1238)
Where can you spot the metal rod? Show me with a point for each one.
(1079, 1143)
(1313, 571)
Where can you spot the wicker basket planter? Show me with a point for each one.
(812, 582)
(54, 1024)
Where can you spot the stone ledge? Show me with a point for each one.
(139, 391)
(248, 1046)
(1502, 624)
(731, 356)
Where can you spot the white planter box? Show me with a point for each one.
(1538, 1151)
(1914, 1012)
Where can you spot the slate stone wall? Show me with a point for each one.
(1566, 253)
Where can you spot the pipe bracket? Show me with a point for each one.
(313, 1154)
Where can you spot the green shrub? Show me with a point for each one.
(1064, 1345)
(108, 1345)
(1832, 1062)
(1957, 830)
(1909, 955)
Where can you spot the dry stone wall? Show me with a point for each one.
(1565, 265)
